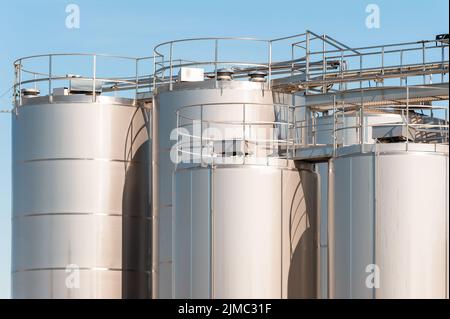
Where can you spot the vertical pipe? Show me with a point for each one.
(155, 200)
(330, 231)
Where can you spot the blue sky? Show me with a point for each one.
(134, 27)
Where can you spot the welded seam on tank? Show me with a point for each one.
(79, 214)
(80, 268)
(81, 159)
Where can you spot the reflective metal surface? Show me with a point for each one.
(81, 209)
(244, 228)
(390, 220)
(245, 232)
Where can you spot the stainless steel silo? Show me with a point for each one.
(232, 225)
(389, 221)
(81, 209)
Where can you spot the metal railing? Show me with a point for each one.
(42, 74)
(381, 62)
(167, 62)
(201, 130)
(255, 130)
(316, 62)
(268, 131)
(344, 124)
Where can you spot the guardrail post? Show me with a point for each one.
(50, 75)
(201, 135)
(243, 133)
(19, 82)
(324, 63)
(407, 117)
(94, 77)
(334, 126)
(361, 119)
(216, 57)
(269, 77)
(171, 67)
(307, 58)
(137, 82)
(154, 71)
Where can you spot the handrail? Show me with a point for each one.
(420, 127)
(132, 82)
(339, 54)
(254, 132)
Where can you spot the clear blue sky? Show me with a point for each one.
(133, 27)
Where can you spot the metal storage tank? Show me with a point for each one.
(245, 231)
(240, 222)
(388, 223)
(81, 209)
(222, 212)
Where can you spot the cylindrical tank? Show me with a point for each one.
(388, 222)
(81, 215)
(232, 234)
(245, 232)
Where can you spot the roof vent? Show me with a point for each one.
(257, 76)
(30, 92)
(225, 74)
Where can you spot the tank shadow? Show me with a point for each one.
(136, 221)
(302, 282)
